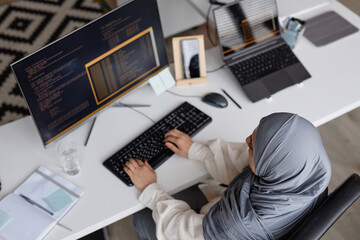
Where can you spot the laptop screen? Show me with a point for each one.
(245, 23)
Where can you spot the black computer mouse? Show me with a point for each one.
(215, 99)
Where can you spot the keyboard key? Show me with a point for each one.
(261, 65)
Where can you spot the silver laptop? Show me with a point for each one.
(254, 50)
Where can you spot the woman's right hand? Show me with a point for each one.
(178, 142)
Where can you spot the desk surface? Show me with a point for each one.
(176, 16)
(285, 7)
(332, 91)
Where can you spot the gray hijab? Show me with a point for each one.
(292, 172)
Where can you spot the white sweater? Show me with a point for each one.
(174, 218)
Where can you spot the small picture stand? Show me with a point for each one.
(189, 60)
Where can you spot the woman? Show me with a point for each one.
(287, 177)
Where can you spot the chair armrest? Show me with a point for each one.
(316, 225)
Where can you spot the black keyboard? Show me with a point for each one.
(150, 144)
(261, 65)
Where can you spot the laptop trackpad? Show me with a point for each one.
(277, 81)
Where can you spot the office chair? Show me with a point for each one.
(317, 224)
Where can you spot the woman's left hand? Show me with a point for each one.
(140, 173)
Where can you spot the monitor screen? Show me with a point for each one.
(245, 23)
(75, 77)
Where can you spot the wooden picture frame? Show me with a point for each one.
(179, 48)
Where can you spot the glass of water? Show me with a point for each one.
(68, 156)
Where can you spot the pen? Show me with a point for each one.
(287, 24)
(44, 209)
(231, 98)
(36, 204)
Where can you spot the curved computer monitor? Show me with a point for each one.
(70, 80)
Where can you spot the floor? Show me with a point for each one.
(341, 138)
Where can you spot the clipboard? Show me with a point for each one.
(37, 205)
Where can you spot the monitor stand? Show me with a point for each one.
(119, 104)
(116, 104)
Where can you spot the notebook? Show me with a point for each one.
(253, 49)
(37, 205)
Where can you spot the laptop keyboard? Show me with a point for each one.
(268, 62)
(150, 144)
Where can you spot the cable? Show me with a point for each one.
(216, 69)
(125, 105)
(179, 95)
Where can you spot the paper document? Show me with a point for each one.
(35, 207)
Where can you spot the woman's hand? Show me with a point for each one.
(178, 142)
(140, 173)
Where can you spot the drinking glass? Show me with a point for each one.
(68, 156)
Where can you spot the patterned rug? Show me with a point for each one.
(26, 26)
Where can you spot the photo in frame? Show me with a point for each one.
(189, 60)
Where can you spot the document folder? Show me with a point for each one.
(35, 207)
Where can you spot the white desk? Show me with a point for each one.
(285, 7)
(176, 16)
(333, 90)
